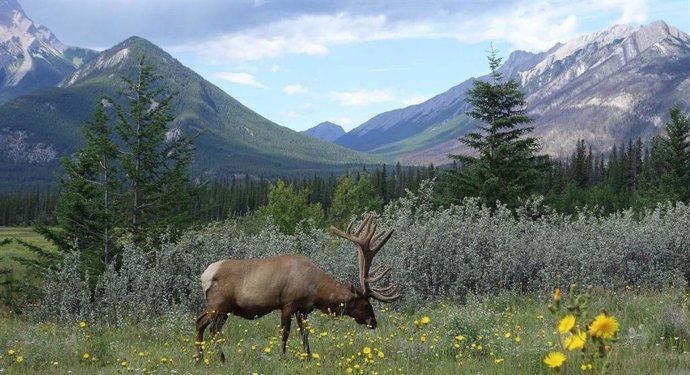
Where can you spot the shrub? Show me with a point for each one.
(447, 252)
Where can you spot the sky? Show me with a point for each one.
(302, 62)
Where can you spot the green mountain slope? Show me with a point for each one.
(36, 129)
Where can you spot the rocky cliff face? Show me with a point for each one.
(603, 87)
(31, 56)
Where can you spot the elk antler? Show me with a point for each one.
(366, 255)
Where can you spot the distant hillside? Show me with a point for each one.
(603, 87)
(36, 129)
(326, 131)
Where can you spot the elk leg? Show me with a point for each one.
(304, 332)
(286, 319)
(216, 327)
(201, 323)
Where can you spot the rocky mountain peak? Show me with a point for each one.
(31, 56)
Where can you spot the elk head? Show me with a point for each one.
(367, 247)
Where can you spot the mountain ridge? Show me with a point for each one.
(32, 57)
(601, 87)
(233, 139)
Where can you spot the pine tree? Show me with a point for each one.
(674, 153)
(507, 167)
(87, 212)
(155, 158)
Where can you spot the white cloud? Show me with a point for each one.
(240, 78)
(295, 89)
(361, 98)
(634, 11)
(529, 25)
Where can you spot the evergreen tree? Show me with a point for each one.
(155, 159)
(674, 153)
(87, 211)
(507, 167)
(138, 183)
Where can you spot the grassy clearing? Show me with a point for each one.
(15, 278)
(14, 249)
(504, 334)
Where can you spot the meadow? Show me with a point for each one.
(478, 298)
(503, 334)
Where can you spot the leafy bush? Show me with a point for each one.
(434, 253)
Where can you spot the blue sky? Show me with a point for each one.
(299, 63)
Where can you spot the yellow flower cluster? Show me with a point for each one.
(598, 335)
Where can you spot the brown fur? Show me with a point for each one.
(292, 284)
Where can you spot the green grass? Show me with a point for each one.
(16, 250)
(507, 334)
(14, 270)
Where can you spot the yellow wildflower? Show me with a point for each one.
(20, 359)
(459, 337)
(499, 360)
(554, 359)
(556, 294)
(507, 335)
(11, 352)
(83, 324)
(566, 324)
(604, 326)
(425, 320)
(576, 341)
(86, 356)
(586, 366)
(316, 356)
(366, 350)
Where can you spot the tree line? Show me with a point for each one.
(131, 181)
(227, 198)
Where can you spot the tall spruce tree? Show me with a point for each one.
(674, 154)
(130, 177)
(87, 210)
(155, 158)
(506, 166)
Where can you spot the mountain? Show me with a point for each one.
(36, 129)
(326, 131)
(604, 87)
(30, 55)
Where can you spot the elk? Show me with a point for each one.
(293, 284)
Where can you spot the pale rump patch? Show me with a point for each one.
(207, 276)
